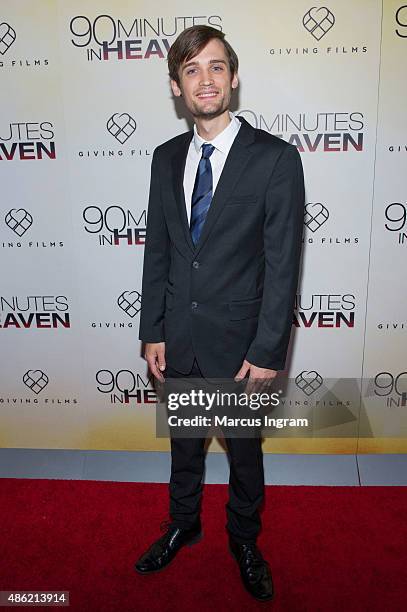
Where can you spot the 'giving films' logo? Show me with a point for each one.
(318, 220)
(308, 382)
(316, 214)
(19, 223)
(318, 22)
(127, 303)
(108, 38)
(120, 128)
(37, 382)
(130, 303)
(334, 401)
(19, 220)
(8, 38)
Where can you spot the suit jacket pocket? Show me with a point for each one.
(250, 198)
(244, 309)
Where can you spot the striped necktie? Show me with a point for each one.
(202, 192)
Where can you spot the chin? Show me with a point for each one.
(209, 111)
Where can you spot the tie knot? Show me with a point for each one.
(207, 150)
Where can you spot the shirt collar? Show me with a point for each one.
(222, 141)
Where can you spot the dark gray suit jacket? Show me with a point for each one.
(230, 297)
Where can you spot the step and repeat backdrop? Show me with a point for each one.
(85, 99)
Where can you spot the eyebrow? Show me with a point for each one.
(212, 61)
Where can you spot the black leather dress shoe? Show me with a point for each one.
(254, 570)
(163, 551)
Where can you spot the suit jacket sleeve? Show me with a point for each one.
(156, 263)
(283, 226)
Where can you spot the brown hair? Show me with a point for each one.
(191, 42)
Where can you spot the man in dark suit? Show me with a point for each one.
(221, 264)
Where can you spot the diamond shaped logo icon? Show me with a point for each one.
(35, 380)
(130, 302)
(7, 37)
(19, 220)
(315, 215)
(318, 21)
(308, 382)
(121, 126)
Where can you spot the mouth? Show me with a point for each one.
(207, 95)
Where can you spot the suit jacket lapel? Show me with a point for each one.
(178, 167)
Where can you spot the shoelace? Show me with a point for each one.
(252, 557)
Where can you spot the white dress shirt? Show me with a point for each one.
(222, 143)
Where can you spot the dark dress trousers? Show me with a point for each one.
(228, 298)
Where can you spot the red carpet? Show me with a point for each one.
(330, 548)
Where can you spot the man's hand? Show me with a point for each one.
(259, 378)
(155, 356)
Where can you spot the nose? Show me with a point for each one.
(206, 78)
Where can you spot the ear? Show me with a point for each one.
(175, 88)
(235, 81)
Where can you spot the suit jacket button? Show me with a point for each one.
(194, 305)
(195, 264)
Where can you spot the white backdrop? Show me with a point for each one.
(86, 99)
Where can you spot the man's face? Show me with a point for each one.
(206, 82)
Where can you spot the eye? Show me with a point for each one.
(190, 70)
(217, 68)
